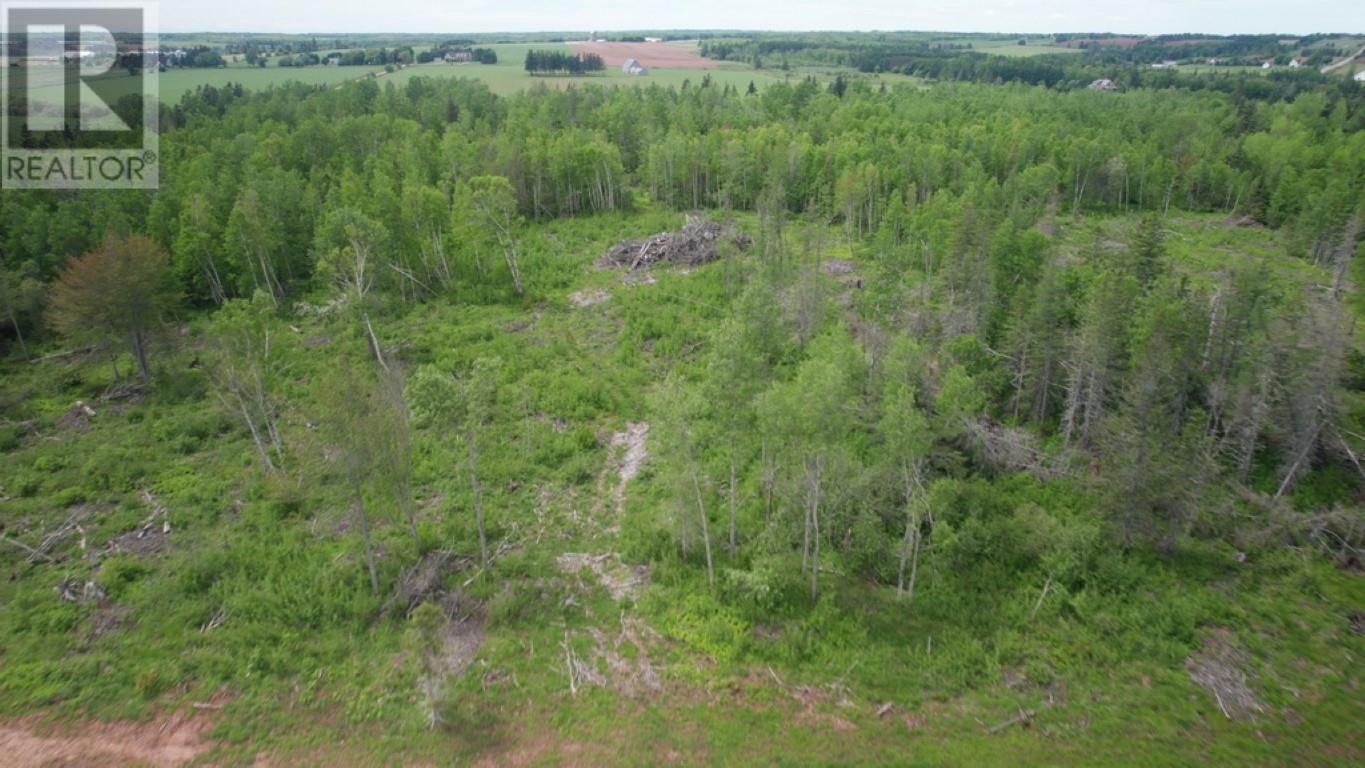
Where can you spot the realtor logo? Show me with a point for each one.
(78, 92)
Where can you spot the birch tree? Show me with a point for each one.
(347, 247)
(354, 413)
(243, 363)
(907, 440)
(494, 204)
(460, 406)
(678, 411)
(810, 417)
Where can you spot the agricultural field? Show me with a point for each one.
(509, 76)
(1009, 46)
(669, 55)
(175, 83)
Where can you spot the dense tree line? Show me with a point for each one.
(248, 178)
(559, 62)
(916, 54)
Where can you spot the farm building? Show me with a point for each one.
(453, 57)
(634, 67)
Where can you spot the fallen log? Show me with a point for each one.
(1023, 718)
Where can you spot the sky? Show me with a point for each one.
(1134, 16)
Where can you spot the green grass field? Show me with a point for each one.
(506, 77)
(1010, 47)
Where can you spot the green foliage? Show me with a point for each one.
(1016, 372)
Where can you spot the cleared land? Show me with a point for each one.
(649, 54)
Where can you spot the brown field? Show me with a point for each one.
(664, 55)
(1121, 42)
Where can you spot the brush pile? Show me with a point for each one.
(698, 242)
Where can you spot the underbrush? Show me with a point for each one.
(256, 591)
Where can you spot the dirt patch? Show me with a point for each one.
(635, 453)
(838, 267)
(30, 743)
(1243, 221)
(666, 55)
(605, 666)
(587, 298)
(76, 418)
(639, 278)
(462, 635)
(621, 580)
(150, 538)
(697, 243)
(626, 453)
(544, 747)
(846, 272)
(423, 580)
(1220, 669)
(109, 617)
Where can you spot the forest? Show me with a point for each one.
(999, 420)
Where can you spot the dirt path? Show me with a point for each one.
(629, 452)
(30, 743)
(1339, 64)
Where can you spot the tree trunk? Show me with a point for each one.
(705, 532)
(914, 569)
(815, 531)
(732, 502)
(255, 434)
(373, 341)
(365, 536)
(905, 554)
(478, 498)
(14, 321)
(139, 343)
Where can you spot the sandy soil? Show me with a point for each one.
(649, 54)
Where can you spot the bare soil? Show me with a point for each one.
(621, 580)
(1220, 668)
(30, 743)
(587, 298)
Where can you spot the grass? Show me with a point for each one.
(1010, 47)
(509, 76)
(506, 77)
(311, 675)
